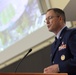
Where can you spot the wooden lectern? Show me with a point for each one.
(33, 74)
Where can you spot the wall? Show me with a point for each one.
(33, 63)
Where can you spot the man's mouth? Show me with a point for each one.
(49, 26)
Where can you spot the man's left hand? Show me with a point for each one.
(52, 69)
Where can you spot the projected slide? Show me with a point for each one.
(18, 18)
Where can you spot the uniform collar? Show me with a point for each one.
(58, 35)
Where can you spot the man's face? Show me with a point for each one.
(52, 21)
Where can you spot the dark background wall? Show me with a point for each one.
(34, 63)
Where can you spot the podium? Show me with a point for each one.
(33, 74)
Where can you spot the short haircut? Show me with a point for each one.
(59, 12)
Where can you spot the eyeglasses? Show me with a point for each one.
(49, 18)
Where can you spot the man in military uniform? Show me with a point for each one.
(63, 50)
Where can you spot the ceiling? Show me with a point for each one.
(70, 11)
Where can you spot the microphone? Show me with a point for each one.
(22, 60)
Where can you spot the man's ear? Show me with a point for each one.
(61, 19)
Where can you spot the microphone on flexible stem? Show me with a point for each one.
(22, 60)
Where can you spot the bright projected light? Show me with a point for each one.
(18, 18)
(21, 27)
